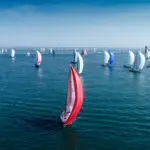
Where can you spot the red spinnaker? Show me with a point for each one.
(74, 98)
(83, 52)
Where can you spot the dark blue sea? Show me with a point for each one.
(115, 114)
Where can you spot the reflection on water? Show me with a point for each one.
(108, 71)
(138, 78)
(52, 124)
(71, 137)
(13, 59)
(40, 76)
(40, 72)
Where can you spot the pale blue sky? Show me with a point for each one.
(75, 23)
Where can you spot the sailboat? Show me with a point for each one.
(138, 63)
(130, 60)
(53, 52)
(74, 98)
(106, 58)
(12, 53)
(111, 59)
(74, 57)
(2, 51)
(28, 54)
(38, 59)
(84, 52)
(50, 51)
(147, 55)
(80, 63)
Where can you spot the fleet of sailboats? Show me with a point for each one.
(136, 63)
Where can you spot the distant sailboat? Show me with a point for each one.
(38, 59)
(74, 98)
(42, 50)
(147, 55)
(106, 58)
(74, 57)
(28, 54)
(80, 63)
(2, 51)
(111, 59)
(84, 52)
(138, 63)
(50, 51)
(12, 53)
(130, 60)
(53, 52)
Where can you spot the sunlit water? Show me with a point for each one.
(115, 113)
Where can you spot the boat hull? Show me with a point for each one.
(105, 65)
(127, 66)
(73, 62)
(135, 70)
(37, 66)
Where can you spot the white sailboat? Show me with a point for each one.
(106, 58)
(50, 51)
(131, 60)
(80, 63)
(12, 53)
(138, 63)
(74, 57)
(147, 55)
(38, 59)
(94, 50)
(2, 51)
(28, 54)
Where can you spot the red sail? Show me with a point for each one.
(74, 98)
(83, 52)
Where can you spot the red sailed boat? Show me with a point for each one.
(84, 52)
(74, 98)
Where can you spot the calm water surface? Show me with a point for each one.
(115, 113)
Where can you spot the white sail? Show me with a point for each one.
(142, 61)
(51, 51)
(85, 52)
(80, 63)
(12, 53)
(131, 58)
(38, 58)
(139, 61)
(28, 53)
(75, 56)
(106, 57)
(147, 54)
(2, 51)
